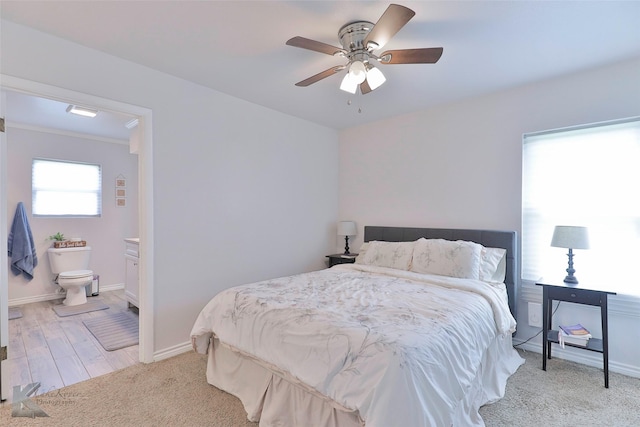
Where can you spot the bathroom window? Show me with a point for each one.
(66, 189)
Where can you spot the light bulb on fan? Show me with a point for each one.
(358, 72)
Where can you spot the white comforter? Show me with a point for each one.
(399, 348)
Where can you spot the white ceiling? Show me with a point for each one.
(36, 113)
(238, 47)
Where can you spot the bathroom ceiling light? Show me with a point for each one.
(82, 111)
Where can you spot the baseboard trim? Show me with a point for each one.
(172, 351)
(114, 287)
(583, 357)
(48, 297)
(37, 298)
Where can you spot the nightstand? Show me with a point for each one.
(577, 294)
(341, 259)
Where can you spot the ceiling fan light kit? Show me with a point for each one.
(375, 78)
(349, 84)
(359, 40)
(358, 71)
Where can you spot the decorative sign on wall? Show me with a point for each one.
(121, 191)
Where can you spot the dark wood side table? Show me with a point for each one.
(341, 259)
(577, 294)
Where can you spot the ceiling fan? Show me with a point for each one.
(359, 40)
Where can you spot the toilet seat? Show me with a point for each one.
(74, 274)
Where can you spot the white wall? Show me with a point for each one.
(242, 192)
(105, 234)
(459, 165)
(245, 193)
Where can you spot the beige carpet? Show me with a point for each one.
(567, 394)
(174, 392)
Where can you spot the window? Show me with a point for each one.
(61, 188)
(585, 176)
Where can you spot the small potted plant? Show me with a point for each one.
(57, 238)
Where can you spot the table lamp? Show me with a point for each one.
(346, 229)
(570, 237)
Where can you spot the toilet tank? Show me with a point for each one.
(69, 259)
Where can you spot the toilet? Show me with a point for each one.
(71, 267)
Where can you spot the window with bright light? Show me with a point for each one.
(584, 176)
(61, 188)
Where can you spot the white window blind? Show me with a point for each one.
(585, 176)
(61, 188)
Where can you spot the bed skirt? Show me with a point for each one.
(273, 399)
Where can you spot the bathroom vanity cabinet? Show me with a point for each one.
(131, 280)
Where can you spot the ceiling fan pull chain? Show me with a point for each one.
(349, 102)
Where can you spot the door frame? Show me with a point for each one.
(4, 258)
(145, 200)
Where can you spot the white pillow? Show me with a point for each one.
(362, 252)
(493, 267)
(447, 258)
(388, 254)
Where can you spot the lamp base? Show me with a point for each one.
(346, 245)
(571, 279)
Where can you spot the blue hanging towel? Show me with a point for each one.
(22, 251)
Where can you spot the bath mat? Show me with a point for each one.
(66, 310)
(114, 331)
(15, 313)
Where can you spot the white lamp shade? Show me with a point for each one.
(348, 84)
(375, 78)
(358, 72)
(565, 236)
(346, 228)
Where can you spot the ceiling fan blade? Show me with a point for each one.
(326, 73)
(391, 21)
(314, 45)
(428, 55)
(365, 88)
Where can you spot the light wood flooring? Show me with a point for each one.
(59, 351)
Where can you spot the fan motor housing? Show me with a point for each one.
(352, 35)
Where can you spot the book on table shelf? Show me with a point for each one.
(574, 334)
(576, 330)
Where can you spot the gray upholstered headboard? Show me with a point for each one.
(487, 238)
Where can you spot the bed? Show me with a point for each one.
(417, 332)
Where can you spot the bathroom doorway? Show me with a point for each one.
(145, 201)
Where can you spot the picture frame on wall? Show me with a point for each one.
(121, 191)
